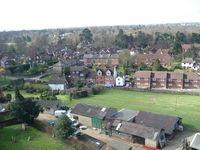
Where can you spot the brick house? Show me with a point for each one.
(161, 54)
(191, 81)
(170, 80)
(175, 80)
(159, 80)
(143, 79)
(78, 73)
(101, 59)
(105, 76)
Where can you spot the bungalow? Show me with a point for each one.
(137, 133)
(91, 115)
(57, 84)
(168, 123)
(49, 106)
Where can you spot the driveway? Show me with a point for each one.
(105, 138)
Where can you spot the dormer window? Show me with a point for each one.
(108, 73)
(99, 73)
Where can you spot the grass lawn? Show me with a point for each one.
(39, 140)
(4, 81)
(24, 93)
(185, 106)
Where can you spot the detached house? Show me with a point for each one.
(119, 81)
(57, 84)
(188, 63)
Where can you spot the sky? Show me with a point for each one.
(46, 14)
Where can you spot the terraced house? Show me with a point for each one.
(167, 80)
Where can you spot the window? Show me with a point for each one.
(186, 80)
(119, 83)
(146, 84)
(146, 79)
(137, 78)
(170, 80)
(169, 84)
(154, 84)
(153, 79)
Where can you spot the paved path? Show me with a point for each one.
(105, 138)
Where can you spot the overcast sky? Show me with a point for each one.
(42, 14)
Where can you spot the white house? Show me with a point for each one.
(58, 84)
(188, 63)
(120, 81)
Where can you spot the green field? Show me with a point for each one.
(39, 140)
(185, 106)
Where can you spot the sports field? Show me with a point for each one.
(184, 106)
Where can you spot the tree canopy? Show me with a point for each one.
(63, 127)
(25, 110)
(86, 36)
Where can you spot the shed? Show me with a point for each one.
(126, 115)
(91, 115)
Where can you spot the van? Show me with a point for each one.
(58, 113)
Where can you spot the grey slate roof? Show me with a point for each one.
(188, 60)
(93, 111)
(120, 146)
(48, 103)
(157, 121)
(57, 81)
(139, 130)
(126, 114)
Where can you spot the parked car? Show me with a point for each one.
(59, 113)
(83, 127)
(51, 122)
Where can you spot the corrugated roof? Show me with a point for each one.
(196, 142)
(125, 114)
(157, 121)
(139, 130)
(93, 111)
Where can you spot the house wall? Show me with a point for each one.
(119, 81)
(48, 111)
(159, 83)
(109, 80)
(84, 120)
(57, 86)
(100, 79)
(151, 143)
(143, 83)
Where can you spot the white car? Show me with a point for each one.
(83, 127)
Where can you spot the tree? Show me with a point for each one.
(25, 110)
(180, 37)
(63, 127)
(86, 36)
(67, 70)
(177, 49)
(157, 66)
